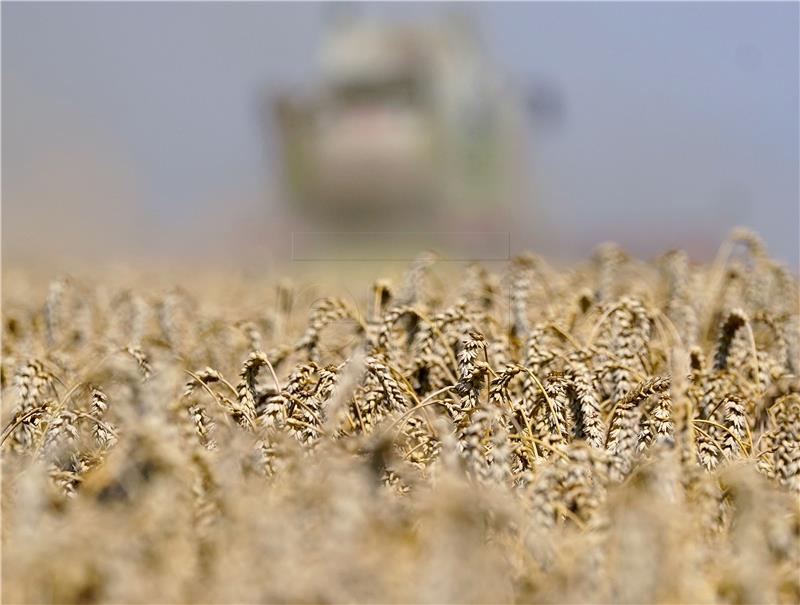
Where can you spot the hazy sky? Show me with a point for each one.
(141, 123)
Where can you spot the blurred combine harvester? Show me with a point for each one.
(408, 127)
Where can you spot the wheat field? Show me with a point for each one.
(613, 431)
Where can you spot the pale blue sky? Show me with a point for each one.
(137, 122)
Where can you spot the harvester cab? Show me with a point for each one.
(408, 123)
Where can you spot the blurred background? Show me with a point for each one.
(261, 132)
